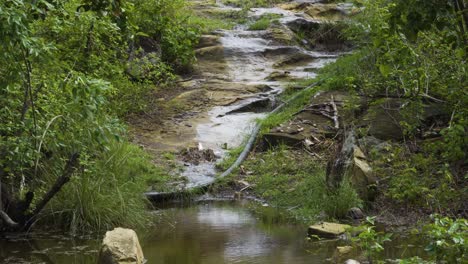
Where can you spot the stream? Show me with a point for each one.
(203, 232)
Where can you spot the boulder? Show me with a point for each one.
(351, 261)
(384, 119)
(361, 175)
(327, 230)
(121, 246)
(281, 34)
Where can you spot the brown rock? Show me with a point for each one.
(121, 246)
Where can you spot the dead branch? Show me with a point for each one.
(335, 113)
(7, 220)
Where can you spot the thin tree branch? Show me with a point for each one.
(70, 167)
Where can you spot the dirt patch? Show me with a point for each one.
(195, 156)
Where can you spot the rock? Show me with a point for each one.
(384, 119)
(211, 53)
(356, 213)
(344, 250)
(281, 35)
(121, 246)
(294, 59)
(276, 76)
(361, 174)
(325, 12)
(208, 41)
(258, 106)
(277, 138)
(351, 261)
(327, 230)
(343, 253)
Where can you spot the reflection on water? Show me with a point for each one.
(211, 233)
(229, 233)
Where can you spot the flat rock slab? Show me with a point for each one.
(327, 230)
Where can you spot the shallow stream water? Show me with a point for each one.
(204, 232)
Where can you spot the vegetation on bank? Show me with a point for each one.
(414, 51)
(70, 69)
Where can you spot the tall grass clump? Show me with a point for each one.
(108, 193)
(295, 182)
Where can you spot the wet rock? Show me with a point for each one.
(281, 35)
(294, 59)
(210, 53)
(257, 106)
(208, 41)
(277, 76)
(121, 246)
(276, 51)
(196, 155)
(327, 230)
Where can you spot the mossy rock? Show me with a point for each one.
(327, 230)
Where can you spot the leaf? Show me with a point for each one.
(385, 70)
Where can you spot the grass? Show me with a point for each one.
(288, 111)
(108, 193)
(231, 157)
(264, 22)
(292, 180)
(251, 3)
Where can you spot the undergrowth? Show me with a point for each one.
(108, 193)
(292, 180)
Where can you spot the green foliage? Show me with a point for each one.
(289, 180)
(371, 241)
(169, 23)
(448, 239)
(415, 50)
(68, 70)
(418, 178)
